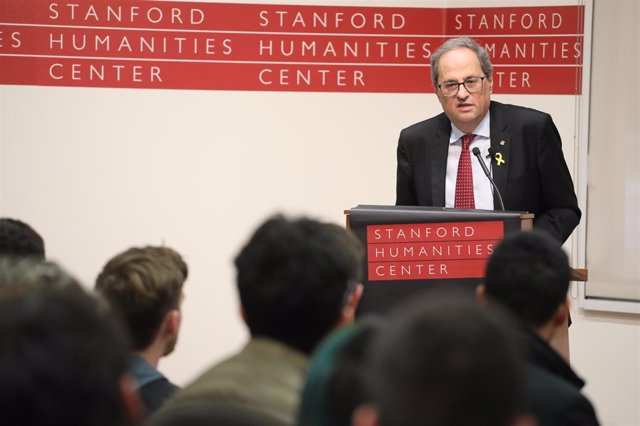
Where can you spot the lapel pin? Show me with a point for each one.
(499, 160)
(502, 143)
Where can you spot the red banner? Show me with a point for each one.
(219, 46)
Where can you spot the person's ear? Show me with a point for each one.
(561, 315)
(524, 420)
(172, 321)
(348, 314)
(481, 294)
(365, 415)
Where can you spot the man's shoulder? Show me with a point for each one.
(435, 121)
(155, 393)
(260, 365)
(552, 398)
(438, 122)
(543, 356)
(539, 379)
(499, 110)
(254, 377)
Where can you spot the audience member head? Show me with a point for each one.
(298, 279)
(335, 383)
(19, 239)
(145, 286)
(63, 359)
(529, 274)
(444, 361)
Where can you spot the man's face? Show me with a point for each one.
(465, 110)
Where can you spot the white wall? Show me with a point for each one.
(97, 171)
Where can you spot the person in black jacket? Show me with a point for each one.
(529, 274)
(144, 285)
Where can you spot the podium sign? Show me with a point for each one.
(410, 249)
(424, 251)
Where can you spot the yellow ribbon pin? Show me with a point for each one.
(499, 160)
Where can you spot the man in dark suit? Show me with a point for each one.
(529, 274)
(520, 146)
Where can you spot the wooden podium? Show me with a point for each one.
(411, 249)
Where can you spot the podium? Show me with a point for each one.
(411, 249)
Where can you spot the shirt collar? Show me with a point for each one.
(142, 372)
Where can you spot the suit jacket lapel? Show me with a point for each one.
(500, 148)
(439, 153)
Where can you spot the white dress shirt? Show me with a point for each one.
(482, 191)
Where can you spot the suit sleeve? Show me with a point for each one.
(560, 213)
(405, 183)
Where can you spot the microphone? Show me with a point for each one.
(476, 152)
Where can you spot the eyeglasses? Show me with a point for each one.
(451, 88)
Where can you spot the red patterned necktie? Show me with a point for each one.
(464, 180)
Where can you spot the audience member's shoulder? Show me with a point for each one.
(263, 370)
(154, 394)
(207, 413)
(244, 381)
(556, 402)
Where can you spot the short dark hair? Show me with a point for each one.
(335, 384)
(19, 239)
(62, 357)
(529, 274)
(294, 277)
(445, 361)
(143, 284)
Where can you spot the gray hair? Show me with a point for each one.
(31, 275)
(457, 43)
